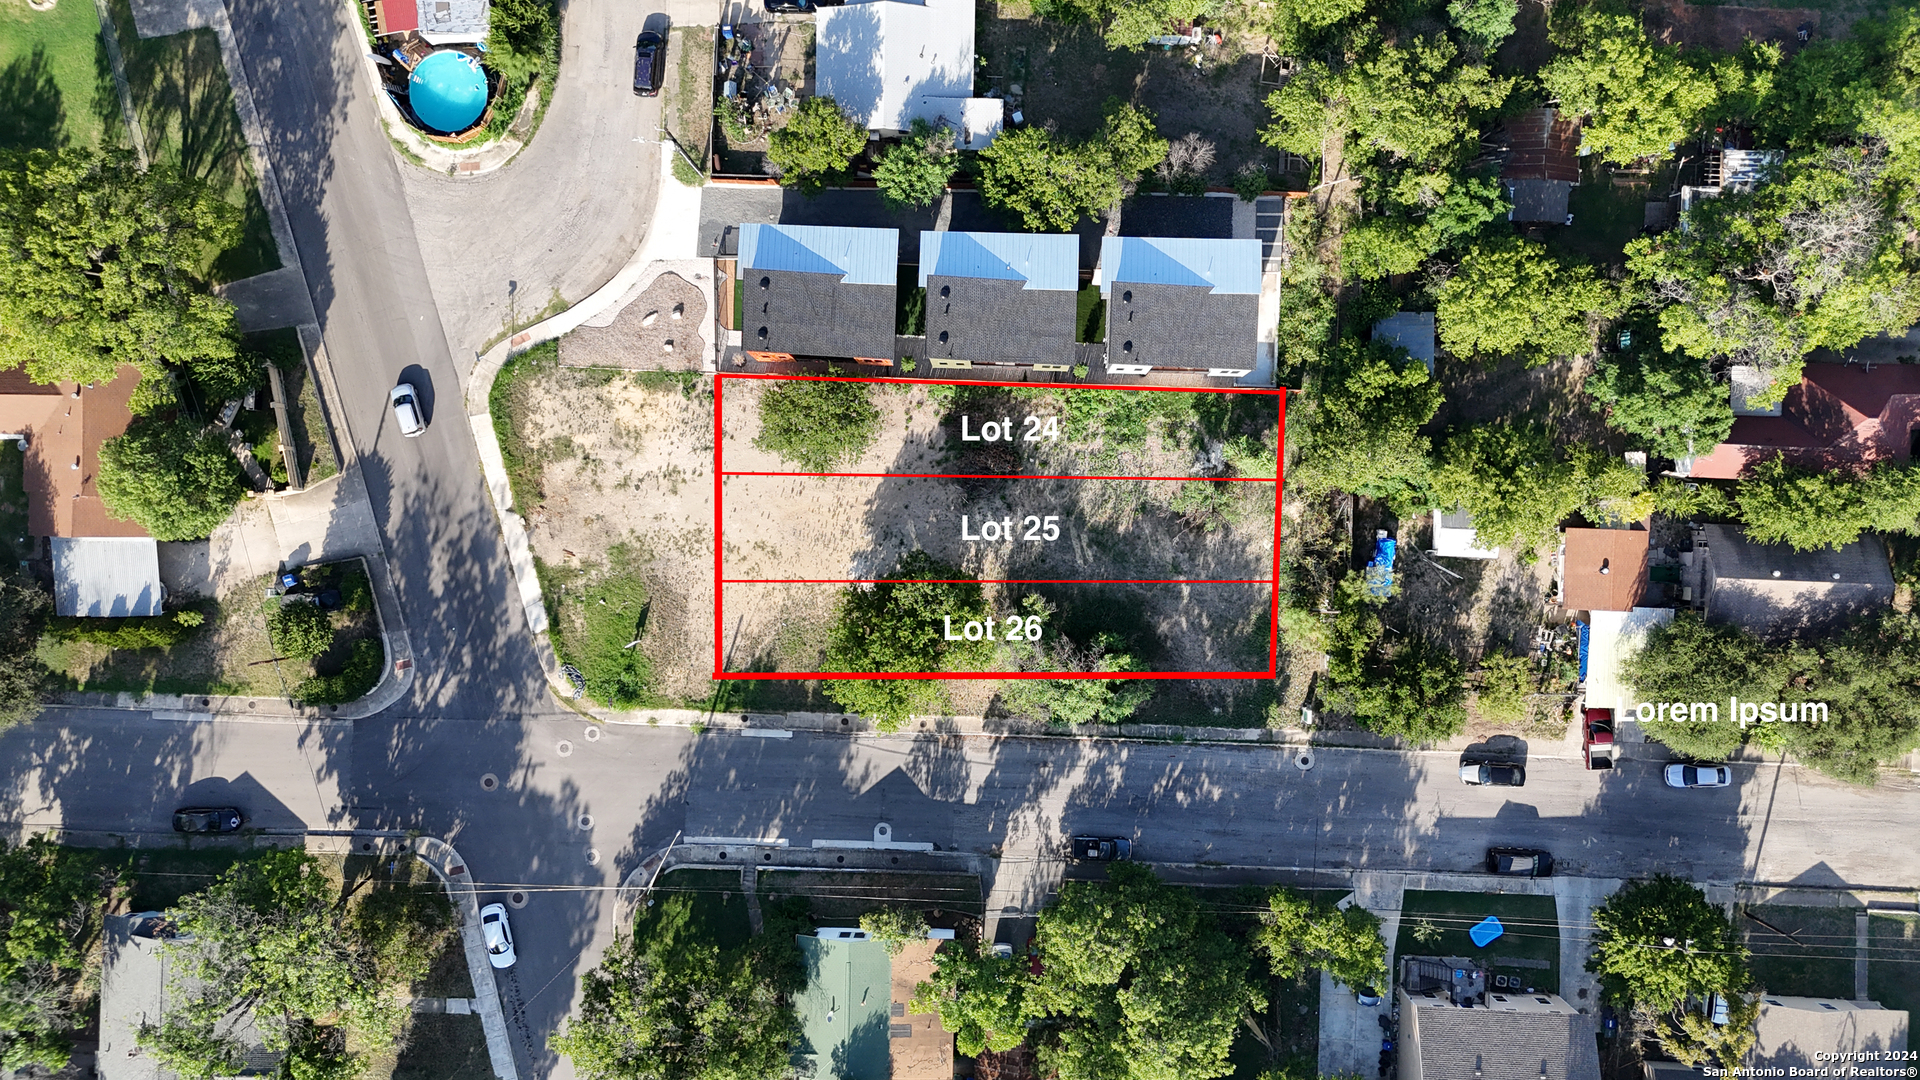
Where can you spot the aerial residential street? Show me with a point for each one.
(1241, 807)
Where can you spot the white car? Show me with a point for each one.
(1685, 776)
(493, 926)
(406, 410)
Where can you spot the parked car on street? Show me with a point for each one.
(1492, 774)
(798, 7)
(406, 410)
(1519, 862)
(1596, 741)
(208, 819)
(649, 60)
(1102, 848)
(498, 935)
(1685, 776)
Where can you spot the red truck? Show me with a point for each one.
(1596, 741)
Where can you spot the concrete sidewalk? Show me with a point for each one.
(452, 871)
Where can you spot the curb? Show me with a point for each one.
(448, 866)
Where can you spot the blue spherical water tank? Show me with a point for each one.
(448, 91)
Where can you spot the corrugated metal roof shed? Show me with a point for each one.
(106, 576)
(1229, 267)
(1411, 330)
(874, 57)
(1042, 260)
(975, 121)
(858, 256)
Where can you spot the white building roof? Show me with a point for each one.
(1453, 537)
(106, 576)
(1616, 635)
(874, 58)
(975, 121)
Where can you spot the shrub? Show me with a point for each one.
(1251, 181)
(300, 629)
(169, 476)
(686, 173)
(816, 146)
(360, 675)
(138, 632)
(818, 425)
(894, 927)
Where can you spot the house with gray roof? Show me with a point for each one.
(1792, 1030)
(1454, 1027)
(1777, 592)
(1180, 304)
(817, 292)
(887, 63)
(137, 967)
(1000, 299)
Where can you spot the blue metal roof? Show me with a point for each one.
(1229, 266)
(1042, 260)
(860, 256)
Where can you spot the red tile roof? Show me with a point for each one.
(1605, 569)
(1840, 415)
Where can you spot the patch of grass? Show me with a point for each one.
(697, 905)
(838, 899)
(1532, 931)
(1819, 964)
(158, 877)
(1605, 217)
(690, 117)
(910, 301)
(600, 612)
(1090, 314)
(55, 90)
(510, 402)
(185, 104)
(1893, 965)
(313, 441)
(441, 1046)
(15, 544)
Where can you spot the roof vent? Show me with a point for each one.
(763, 333)
(1776, 573)
(946, 291)
(1836, 577)
(1126, 297)
(1126, 346)
(765, 281)
(1605, 566)
(943, 337)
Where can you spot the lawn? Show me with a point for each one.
(15, 544)
(839, 899)
(54, 91)
(1532, 932)
(185, 103)
(597, 611)
(703, 905)
(690, 120)
(1893, 965)
(157, 878)
(1090, 314)
(1818, 964)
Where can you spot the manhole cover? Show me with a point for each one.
(1303, 760)
(593, 857)
(564, 748)
(517, 899)
(585, 822)
(593, 734)
(489, 782)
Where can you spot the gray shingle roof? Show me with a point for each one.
(815, 315)
(998, 321)
(1181, 326)
(1773, 590)
(1539, 200)
(1490, 1044)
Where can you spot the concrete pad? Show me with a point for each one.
(1350, 1032)
(269, 301)
(1574, 902)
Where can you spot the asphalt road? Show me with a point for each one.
(637, 787)
(370, 289)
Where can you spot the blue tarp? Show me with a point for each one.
(1586, 635)
(1380, 571)
(1486, 930)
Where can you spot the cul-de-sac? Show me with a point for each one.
(922, 539)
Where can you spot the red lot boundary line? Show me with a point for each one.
(1014, 476)
(997, 581)
(719, 548)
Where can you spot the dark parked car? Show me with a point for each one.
(649, 60)
(1519, 862)
(208, 819)
(1102, 848)
(798, 7)
(1493, 775)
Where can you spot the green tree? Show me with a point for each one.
(899, 625)
(1049, 183)
(1669, 402)
(1501, 697)
(1869, 677)
(1519, 484)
(1403, 236)
(1413, 103)
(1137, 981)
(895, 927)
(1129, 138)
(1638, 98)
(1486, 23)
(818, 425)
(300, 629)
(1510, 297)
(228, 377)
(1808, 509)
(673, 1005)
(1658, 941)
(1300, 935)
(914, 171)
(816, 146)
(23, 612)
(978, 996)
(174, 480)
(1132, 22)
(96, 262)
(268, 937)
(1362, 428)
(522, 35)
(1410, 688)
(1078, 701)
(1690, 659)
(54, 899)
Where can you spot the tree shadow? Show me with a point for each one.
(32, 114)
